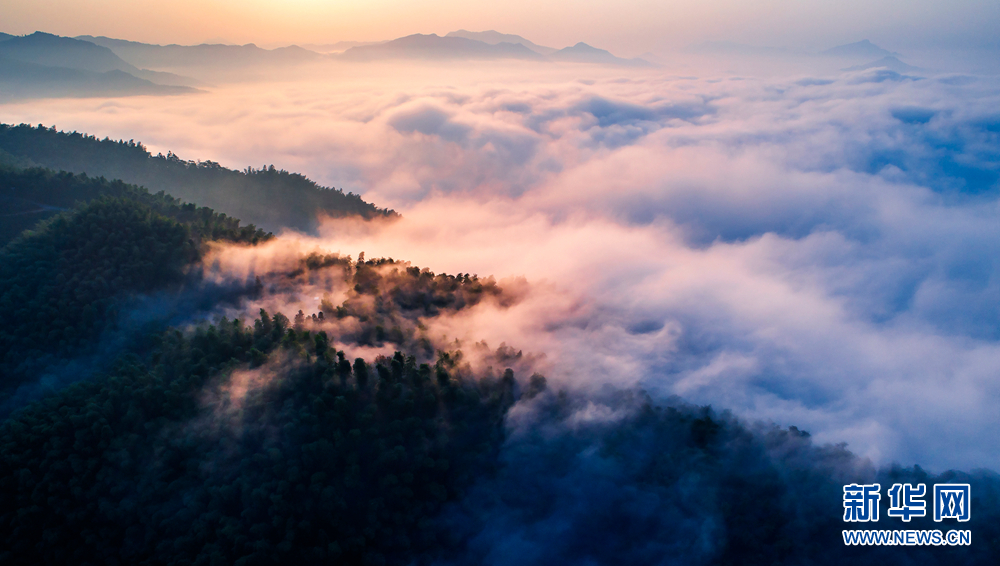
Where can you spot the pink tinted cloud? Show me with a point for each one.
(784, 247)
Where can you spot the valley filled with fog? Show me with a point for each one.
(803, 248)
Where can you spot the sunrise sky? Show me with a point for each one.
(632, 26)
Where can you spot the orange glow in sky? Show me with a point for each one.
(630, 26)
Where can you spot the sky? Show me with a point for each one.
(630, 27)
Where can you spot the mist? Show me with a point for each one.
(804, 248)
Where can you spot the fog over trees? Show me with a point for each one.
(155, 412)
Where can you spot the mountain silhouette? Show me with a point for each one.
(891, 63)
(337, 47)
(419, 46)
(68, 53)
(22, 80)
(47, 65)
(583, 53)
(56, 51)
(865, 50)
(494, 37)
(194, 56)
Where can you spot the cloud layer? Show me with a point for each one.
(812, 250)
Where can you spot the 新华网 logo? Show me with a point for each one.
(952, 501)
(903, 502)
(861, 502)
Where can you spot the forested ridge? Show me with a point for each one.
(158, 460)
(63, 284)
(332, 461)
(30, 195)
(267, 197)
(308, 412)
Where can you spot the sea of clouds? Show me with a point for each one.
(815, 249)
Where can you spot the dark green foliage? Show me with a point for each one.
(643, 483)
(30, 195)
(385, 299)
(62, 285)
(268, 444)
(194, 458)
(267, 197)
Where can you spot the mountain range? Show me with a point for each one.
(337, 47)
(495, 37)
(65, 52)
(419, 46)
(456, 45)
(47, 65)
(21, 80)
(195, 56)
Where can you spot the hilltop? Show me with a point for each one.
(270, 198)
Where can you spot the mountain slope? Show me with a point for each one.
(274, 439)
(494, 38)
(270, 198)
(370, 452)
(864, 49)
(890, 63)
(65, 52)
(159, 57)
(47, 57)
(22, 80)
(62, 285)
(432, 46)
(337, 47)
(349, 463)
(583, 53)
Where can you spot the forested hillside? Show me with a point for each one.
(212, 430)
(63, 284)
(329, 462)
(267, 197)
(31, 195)
(180, 431)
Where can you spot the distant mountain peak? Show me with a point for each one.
(432, 46)
(863, 49)
(494, 37)
(57, 51)
(890, 62)
(584, 53)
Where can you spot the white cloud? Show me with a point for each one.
(814, 252)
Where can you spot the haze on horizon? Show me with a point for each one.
(631, 28)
